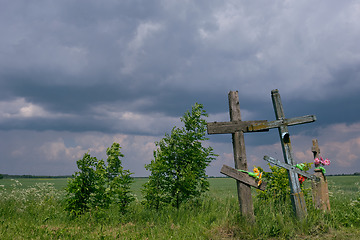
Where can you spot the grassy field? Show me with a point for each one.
(33, 209)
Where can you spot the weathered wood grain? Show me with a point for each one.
(231, 127)
(281, 122)
(244, 191)
(315, 148)
(320, 192)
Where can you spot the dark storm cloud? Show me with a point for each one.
(76, 54)
(132, 68)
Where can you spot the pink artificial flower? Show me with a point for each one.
(317, 161)
(326, 162)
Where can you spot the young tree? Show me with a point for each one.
(178, 169)
(98, 185)
(119, 180)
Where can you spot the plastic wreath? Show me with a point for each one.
(256, 174)
(320, 162)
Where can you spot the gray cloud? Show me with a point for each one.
(134, 67)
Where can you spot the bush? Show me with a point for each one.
(98, 185)
(277, 188)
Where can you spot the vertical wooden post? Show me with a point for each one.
(244, 191)
(297, 197)
(315, 148)
(320, 190)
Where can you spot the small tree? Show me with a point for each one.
(81, 186)
(98, 185)
(178, 169)
(119, 180)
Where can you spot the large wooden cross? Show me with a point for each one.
(297, 197)
(237, 128)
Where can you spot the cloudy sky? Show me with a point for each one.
(77, 75)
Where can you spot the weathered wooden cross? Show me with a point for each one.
(297, 197)
(237, 128)
(320, 188)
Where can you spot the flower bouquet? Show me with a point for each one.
(320, 163)
(256, 174)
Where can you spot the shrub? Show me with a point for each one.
(277, 188)
(97, 185)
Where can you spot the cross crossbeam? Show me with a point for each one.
(232, 127)
(242, 177)
(281, 122)
(290, 168)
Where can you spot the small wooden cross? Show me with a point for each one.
(320, 190)
(237, 128)
(297, 197)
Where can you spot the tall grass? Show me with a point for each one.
(36, 212)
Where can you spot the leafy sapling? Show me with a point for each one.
(178, 168)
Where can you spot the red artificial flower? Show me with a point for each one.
(302, 179)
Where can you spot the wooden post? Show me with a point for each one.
(244, 191)
(320, 190)
(237, 128)
(315, 148)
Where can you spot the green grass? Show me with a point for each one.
(348, 184)
(34, 210)
(59, 183)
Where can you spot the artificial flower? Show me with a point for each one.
(302, 179)
(326, 162)
(317, 161)
(260, 180)
(256, 174)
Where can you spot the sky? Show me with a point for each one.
(78, 75)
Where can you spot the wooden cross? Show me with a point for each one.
(297, 197)
(237, 128)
